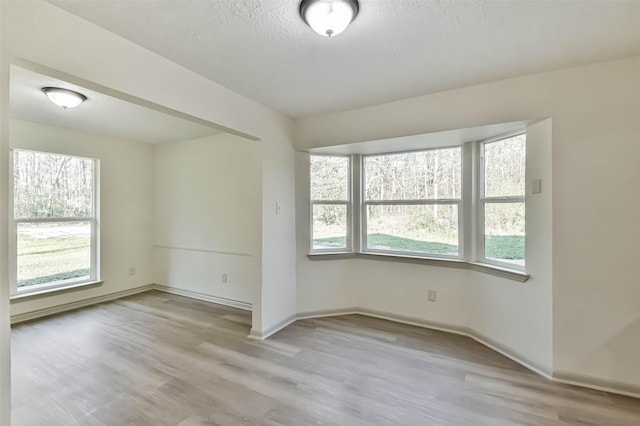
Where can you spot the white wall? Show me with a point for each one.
(518, 316)
(596, 299)
(126, 206)
(5, 331)
(400, 289)
(207, 215)
(278, 260)
(42, 33)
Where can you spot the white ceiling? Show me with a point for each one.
(394, 49)
(100, 113)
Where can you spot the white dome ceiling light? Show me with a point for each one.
(64, 97)
(328, 17)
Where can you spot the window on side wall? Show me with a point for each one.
(502, 201)
(330, 203)
(54, 222)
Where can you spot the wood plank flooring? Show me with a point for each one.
(159, 359)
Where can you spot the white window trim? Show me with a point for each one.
(349, 207)
(94, 274)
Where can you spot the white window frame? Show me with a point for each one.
(362, 208)
(471, 206)
(347, 203)
(94, 274)
(484, 200)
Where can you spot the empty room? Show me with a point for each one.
(304, 212)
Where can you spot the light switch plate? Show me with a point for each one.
(536, 186)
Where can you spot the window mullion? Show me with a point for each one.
(357, 212)
(468, 223)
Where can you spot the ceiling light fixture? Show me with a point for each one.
(64, 97)
(328, 17)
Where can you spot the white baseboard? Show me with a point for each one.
(205, 297)
(324, 313)
(597, 383)
(27, 316)
(261, 335)
(385, 316)
(510, 353)
(418, 322)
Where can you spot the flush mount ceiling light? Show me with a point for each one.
(328, 17)
(64, 97)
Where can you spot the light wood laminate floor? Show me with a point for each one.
(159, 359)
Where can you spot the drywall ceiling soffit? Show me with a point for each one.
(100, 114)
(393, 50)
(442, 139)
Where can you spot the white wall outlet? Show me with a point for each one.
(278, 208)
(224, 277)
(432, 295)
(132, 270)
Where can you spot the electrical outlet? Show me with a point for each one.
(432, 295)
(132, 270)
(278, 208)
(224, 277)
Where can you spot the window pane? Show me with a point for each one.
(424, 175)
(424, 229)
(329, 178)
(52, 185)
(50, 252)
(504, 166)
(504, 232)
(329, 227)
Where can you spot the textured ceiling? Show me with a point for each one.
(100, 114)
(394, 49)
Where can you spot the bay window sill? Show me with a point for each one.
(46, 292)
(511, 274)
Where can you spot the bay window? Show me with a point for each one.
(417, 204)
